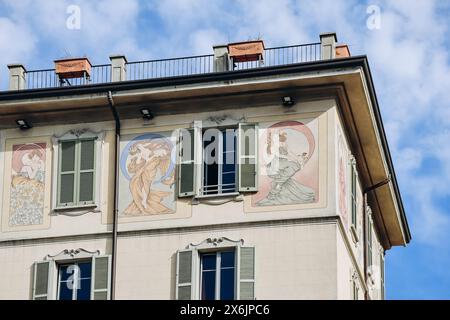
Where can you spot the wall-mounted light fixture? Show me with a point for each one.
(287, 101)
(23, 124)
(147, 114)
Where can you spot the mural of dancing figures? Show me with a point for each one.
(288, 166)
(27, 184)
(147, 175)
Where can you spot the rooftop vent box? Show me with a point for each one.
(246, 51)
(73, 68)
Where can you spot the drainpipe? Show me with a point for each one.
(365, 192)
(116, 195)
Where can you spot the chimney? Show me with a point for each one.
(221, 59)
(328, 45)
(118, 68)
(17, 79)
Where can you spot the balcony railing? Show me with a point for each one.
(164, 68)
(40, 79)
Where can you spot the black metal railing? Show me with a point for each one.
(278, 56)
(40, 79)
(164, 68)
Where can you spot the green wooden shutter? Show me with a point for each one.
(247, 157)
(42, 280)
(186, 172)
(101, 270)
(86, 171)
(185, 270)
(246, 273)
(67, 173)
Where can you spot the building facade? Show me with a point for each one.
(208, 177)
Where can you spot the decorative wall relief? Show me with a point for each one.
(27, 190)
(147, 181)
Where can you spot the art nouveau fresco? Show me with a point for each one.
(288, 165)
(342, 176)
(147, 181)
(26, 206)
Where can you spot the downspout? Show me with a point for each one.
(116, 195)
(365, 192)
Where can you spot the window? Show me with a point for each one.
(76, 172)
(61, 278)
(219, 165)
(369, 242)
(74, 281)
(209, 273)
(218, 275)
(217, 161)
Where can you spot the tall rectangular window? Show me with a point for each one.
(76, 172)
(219, 165)
(369, 242)
(218, 271)
(74, 281)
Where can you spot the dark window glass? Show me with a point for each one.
(208, 277)
(65, 290)
(225, 288)
(75, 277)
(84, 290)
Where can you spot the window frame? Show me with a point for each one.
(94, 205)
(77, 174)
(70, 263)
(218, 257)
(220, 193)
(353, 199)
(214, 245)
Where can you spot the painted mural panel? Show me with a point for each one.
(289, 161)
(342, 176)
(147, 175)
(27, 190)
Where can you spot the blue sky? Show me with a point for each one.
(408, 55)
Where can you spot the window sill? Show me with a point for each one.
(217, 195)
(217, 199)
(76, 210)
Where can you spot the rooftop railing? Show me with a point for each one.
(176, 67)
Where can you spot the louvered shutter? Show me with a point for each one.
(87, 165)
(101, 270)
(246, 273)
(247, 157)
(42, 280)
(184, 275)
(67, 170)
(186, 172)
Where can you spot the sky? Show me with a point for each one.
(407, 44)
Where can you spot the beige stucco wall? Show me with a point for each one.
(292, 260)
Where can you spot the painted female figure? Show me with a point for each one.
(281, 169)
(148, 161)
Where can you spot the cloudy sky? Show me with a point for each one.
(408, 50)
